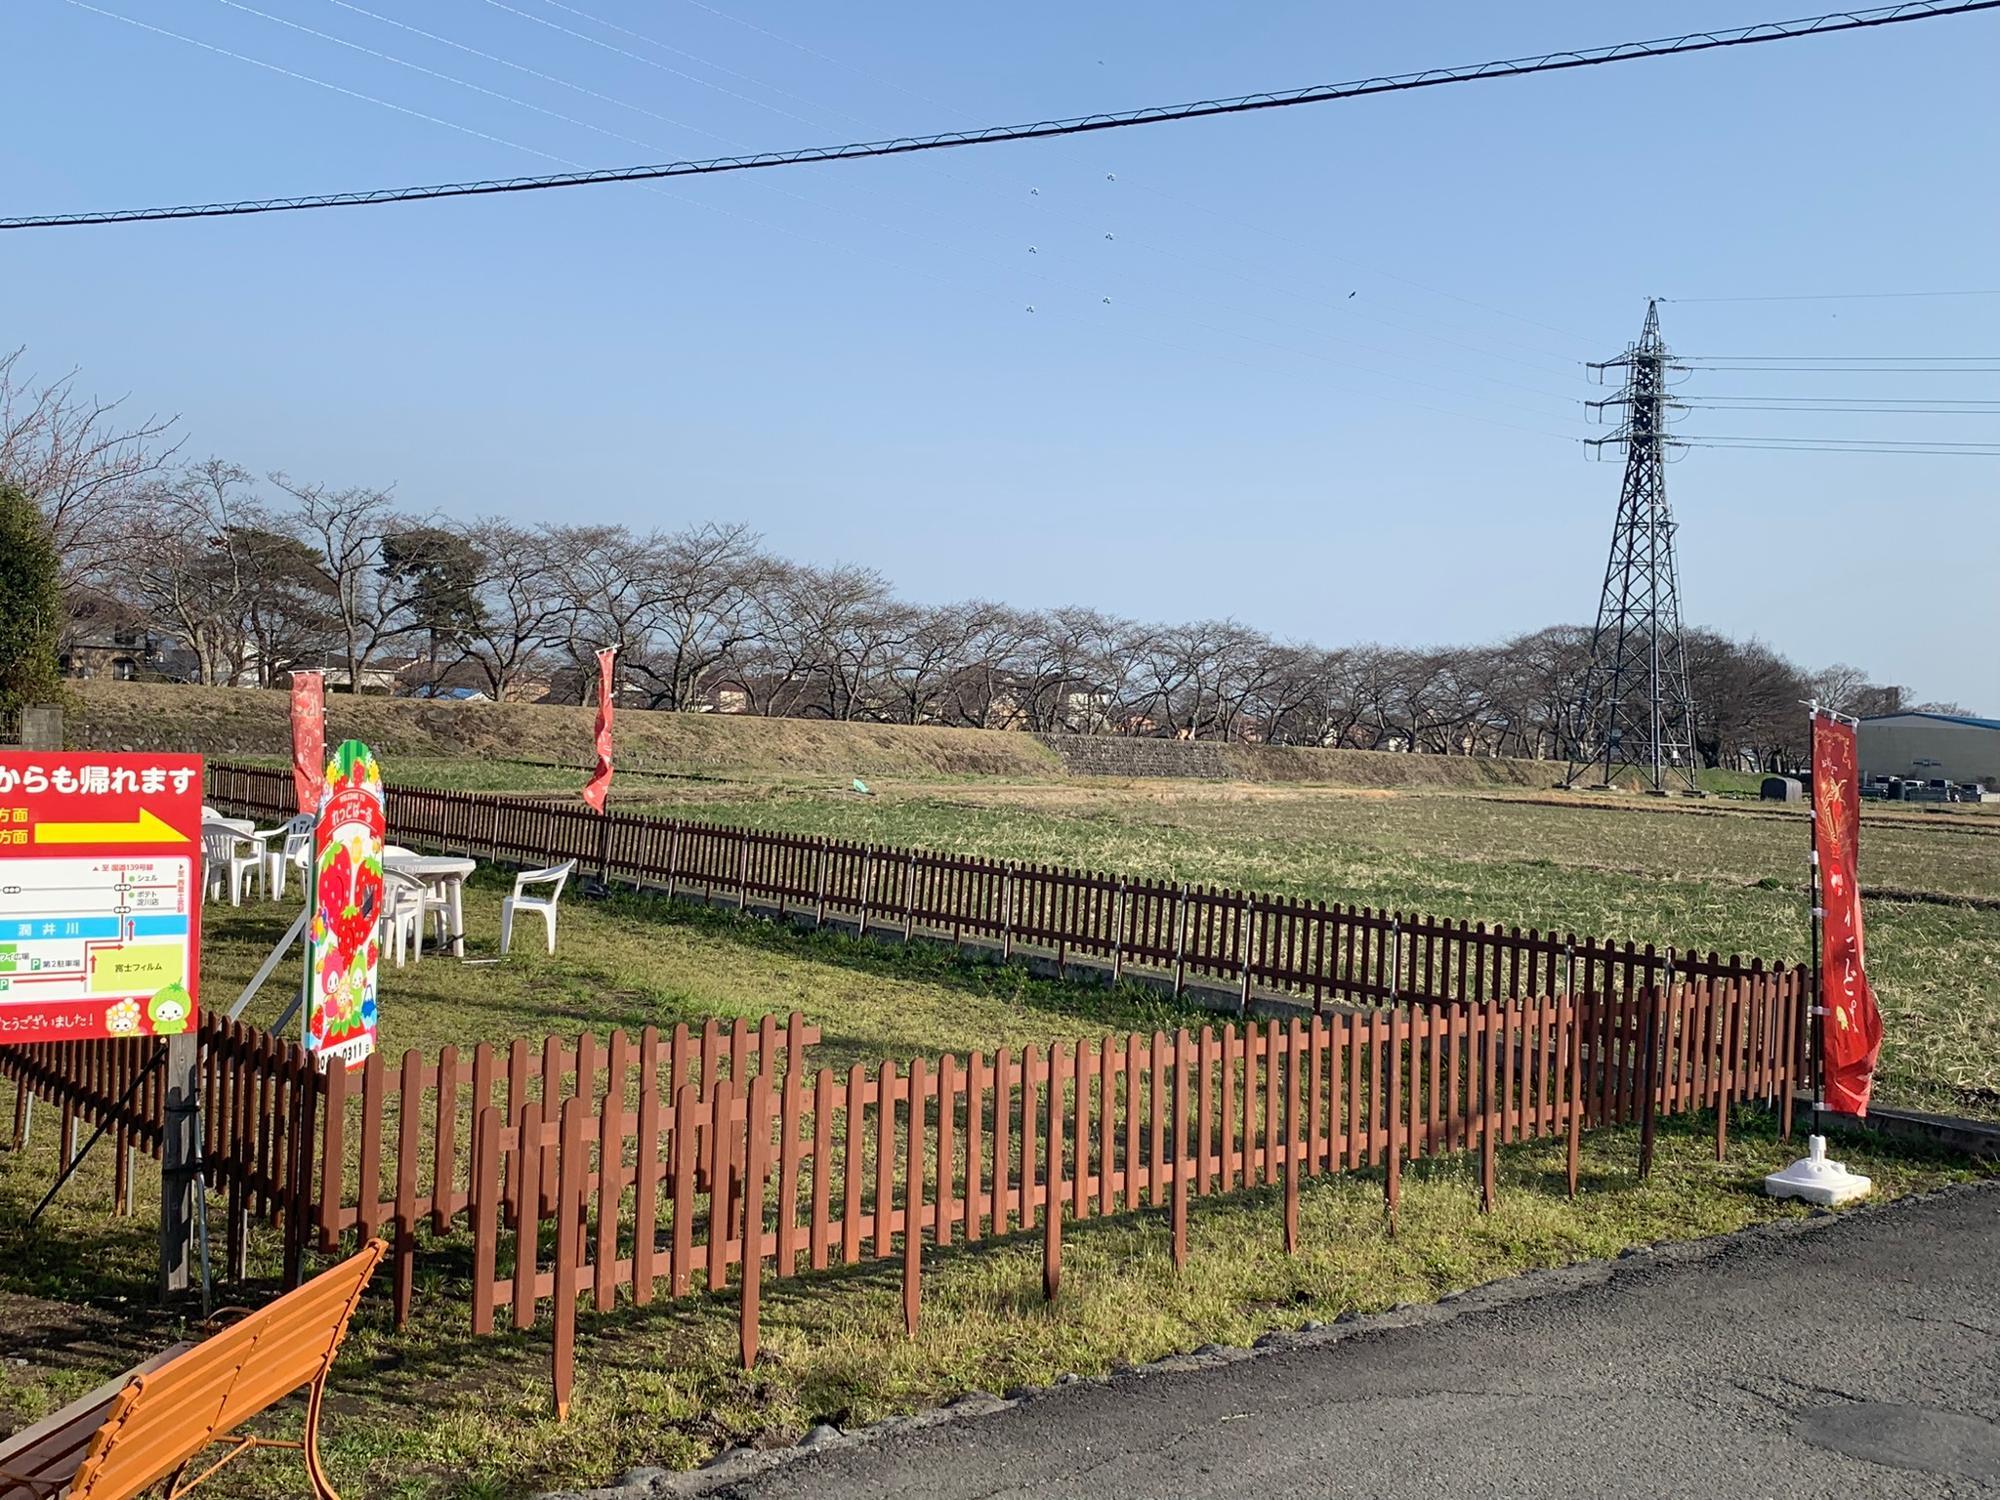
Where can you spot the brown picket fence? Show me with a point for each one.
(320, 1155)
(670, 1162)
(1254, 944)
(796, 1173)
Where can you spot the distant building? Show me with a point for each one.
(1931, 747)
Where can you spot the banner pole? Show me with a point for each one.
(1815, 1177)
(1816, 909)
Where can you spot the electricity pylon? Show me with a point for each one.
(1635, 712)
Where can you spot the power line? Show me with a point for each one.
(1748, 447)
(1905, 410)
(1834, 296)
(477, 88)
(257, 62)
(1510, 68)
(1882, 444)
(1850, 358)
(1843, 401)
(1826, 370)
(1307, 352)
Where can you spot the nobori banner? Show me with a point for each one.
(100, 895)
(347, 910)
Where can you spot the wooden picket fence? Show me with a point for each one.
(674, 1161)
(1254, 944)
(322, 1155)
(798, 1172)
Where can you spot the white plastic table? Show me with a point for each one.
(446, 873)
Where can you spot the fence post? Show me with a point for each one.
(742, 870)
(867, 885)
(913, 1198)
(1395, 957)
(1243, 956)
(756, 1167)
(909, 894)
(1649, 1074)
(1573, 1013)
(1052, 1195)
(1732, 1010)
(1182, 1165)
(1180, 939)
(674, 861)
(570, 1176)
(819, 884)
(483, 1185)
(1118, 935)
(1487, 1045)
(1007, 913)
(1392, 1176)
(1292, 1051)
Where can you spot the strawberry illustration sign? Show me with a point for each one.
(100, 895)
(340, 1011)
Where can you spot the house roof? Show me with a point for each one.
(1965, 719)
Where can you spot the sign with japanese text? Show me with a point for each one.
(308, 736)
(100, 894)
(345, 949)
(1851, 1031)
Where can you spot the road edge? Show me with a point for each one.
(735, 1465)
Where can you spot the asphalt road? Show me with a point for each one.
(1853, 1356)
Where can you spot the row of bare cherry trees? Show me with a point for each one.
(247, 579)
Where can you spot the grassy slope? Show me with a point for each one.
(246, 722)
(249, 723)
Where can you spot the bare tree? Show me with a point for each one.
(79, 458)
(704, 586)
(344, 531)
(522, 608)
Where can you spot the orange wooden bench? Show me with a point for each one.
(154, 1422)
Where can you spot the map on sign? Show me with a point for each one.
(100, 895)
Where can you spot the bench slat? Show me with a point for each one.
(165, 1416)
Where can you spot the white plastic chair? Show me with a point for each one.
(544, 906)
(231, 858)
(402, 915)
(295, 851)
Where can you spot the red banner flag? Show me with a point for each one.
(599, 785)
(1851, 1028)
(308, 737)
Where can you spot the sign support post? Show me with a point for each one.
(183, 1201)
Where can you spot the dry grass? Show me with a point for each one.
(245, 722)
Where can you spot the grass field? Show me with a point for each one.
(435, 1413)
(1714, 875)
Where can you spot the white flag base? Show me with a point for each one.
(1815, 1179)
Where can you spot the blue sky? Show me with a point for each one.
(843, 356)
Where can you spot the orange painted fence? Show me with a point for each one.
(1252, 943)
(670, 1162)
(794, 1173)
(390, 1146)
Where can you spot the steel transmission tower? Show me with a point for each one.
(1635, 712)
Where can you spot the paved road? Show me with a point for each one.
(1857, 1356)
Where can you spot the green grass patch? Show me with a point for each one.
(437, 1413)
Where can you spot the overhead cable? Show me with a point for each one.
(1919, 10)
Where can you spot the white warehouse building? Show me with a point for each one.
(1931, 747)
